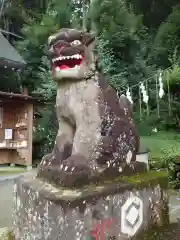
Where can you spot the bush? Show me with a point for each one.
(167, 38)
(174, 172)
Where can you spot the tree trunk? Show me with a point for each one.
(84, 15)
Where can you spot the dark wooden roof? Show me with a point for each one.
(9, 56)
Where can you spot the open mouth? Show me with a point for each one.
(67, 62)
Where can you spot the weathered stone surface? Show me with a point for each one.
(117, 210)
(97, 137)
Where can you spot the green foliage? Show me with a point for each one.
(172, 74)
(36, 31)
(134, 39)
(119, 35)
(37, 75)
(163, 147)
(174, 172)
(154, 13)
(167, 38)
(168, 120)
(33, 48)
(10, 81)
(47, 86)
(45, 133)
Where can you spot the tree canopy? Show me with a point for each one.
(135, 38)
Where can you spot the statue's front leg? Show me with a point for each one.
(75, 170)
(62, 147)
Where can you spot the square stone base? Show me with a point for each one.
(116, 210)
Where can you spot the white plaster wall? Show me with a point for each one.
(143, 157)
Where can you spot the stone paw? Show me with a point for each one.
(69, 173)
(47, 159)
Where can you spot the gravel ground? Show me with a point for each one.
(6, 198)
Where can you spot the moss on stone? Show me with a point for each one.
(165, 232)
(5, 234)
(140, 179)
(146, 177)
(121, 184)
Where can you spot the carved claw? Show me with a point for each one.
(47, 159)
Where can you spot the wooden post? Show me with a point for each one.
(30, 132)
(140, 104)
(157, 97)
(25, 91)
(147, 106)
(169, 97)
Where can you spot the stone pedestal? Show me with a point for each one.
(115, 210)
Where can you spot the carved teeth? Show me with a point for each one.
(76, 56)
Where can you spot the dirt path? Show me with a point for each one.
(6, 200)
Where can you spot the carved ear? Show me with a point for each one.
(88, 38)
(50, 39)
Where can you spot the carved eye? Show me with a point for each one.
(50, 39)
(75, 42)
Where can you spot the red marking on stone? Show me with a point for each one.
(99, 229)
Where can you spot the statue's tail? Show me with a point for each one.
(125, 103)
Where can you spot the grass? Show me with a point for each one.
(162, 146)
(11, 170)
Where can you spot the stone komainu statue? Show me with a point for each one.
(97, 138)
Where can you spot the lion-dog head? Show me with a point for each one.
(71, 54)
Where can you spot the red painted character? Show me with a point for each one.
(98, 232)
